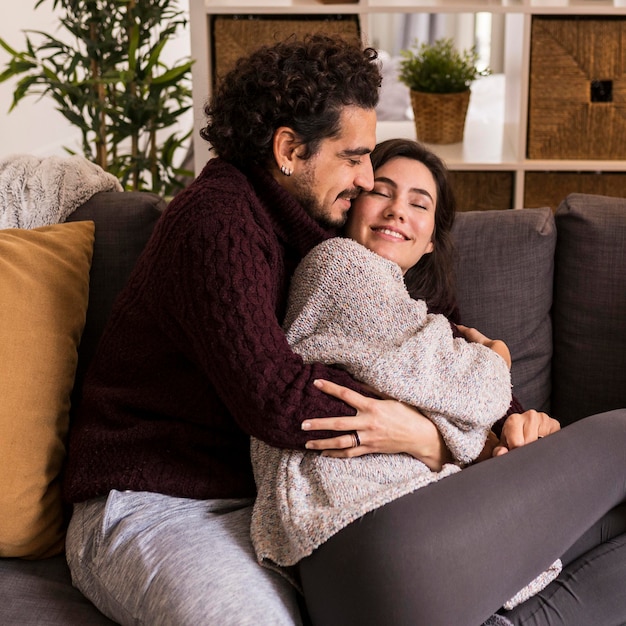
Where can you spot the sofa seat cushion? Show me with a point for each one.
(40, 593)
(589, 307)
(504, 285)
(44, 288)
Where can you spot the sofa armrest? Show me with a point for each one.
(589, 312)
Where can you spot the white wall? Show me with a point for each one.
(34, 127)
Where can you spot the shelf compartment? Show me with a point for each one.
(549, 188)
(485, 144)
(577, 93)
(236, 36)
(483, 190)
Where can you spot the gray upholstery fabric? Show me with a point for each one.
(505, 271)
(124, 221)
(41, 593)
(590, 307)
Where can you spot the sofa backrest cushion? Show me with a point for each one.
(504, 286)
(589, 307)
(124, 222)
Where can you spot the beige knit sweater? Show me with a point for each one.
(349, 306)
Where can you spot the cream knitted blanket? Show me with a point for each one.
(36, 191)
(348, 306)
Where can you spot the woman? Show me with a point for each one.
(389, 566)
(349, 306)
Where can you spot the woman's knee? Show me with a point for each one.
(608, 426)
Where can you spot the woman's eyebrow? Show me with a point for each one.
(392, 183)
(387, 181)
(422, 192)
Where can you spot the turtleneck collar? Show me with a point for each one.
(292, 224)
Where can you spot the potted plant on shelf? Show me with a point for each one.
(107, 77)
(439, 77)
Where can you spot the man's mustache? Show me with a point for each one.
(350, 194)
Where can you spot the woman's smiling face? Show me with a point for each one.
(396, 219)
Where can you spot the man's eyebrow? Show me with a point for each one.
(392, 183)
(354, 152)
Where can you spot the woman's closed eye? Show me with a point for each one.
(420, 201)
(382, 190)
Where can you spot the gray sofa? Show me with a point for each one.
(553, 287)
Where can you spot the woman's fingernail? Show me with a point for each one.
(317, 383)
(306, 426)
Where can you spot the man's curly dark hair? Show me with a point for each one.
(302, 84)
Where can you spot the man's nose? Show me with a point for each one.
(365, 176)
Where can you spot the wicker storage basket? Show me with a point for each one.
(577, 101)
(236, 36)
(482, 191)
(440, 117)
(549, 188)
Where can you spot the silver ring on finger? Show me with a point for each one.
(356, 439)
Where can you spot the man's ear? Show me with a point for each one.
(284, 146)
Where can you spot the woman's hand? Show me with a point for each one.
(382, 425)
(491, 444)
(522, 428)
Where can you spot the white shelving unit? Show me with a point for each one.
(496, 127)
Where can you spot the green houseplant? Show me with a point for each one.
(439, 77)
(107, 77)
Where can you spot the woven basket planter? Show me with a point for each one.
(440, 117)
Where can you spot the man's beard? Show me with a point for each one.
(322, 215)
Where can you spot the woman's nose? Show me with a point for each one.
(396, 208)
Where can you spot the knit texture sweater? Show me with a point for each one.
(349, 306)
(194, 359)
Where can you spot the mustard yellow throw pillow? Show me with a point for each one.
(44, 289)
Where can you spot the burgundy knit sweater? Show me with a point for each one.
(193, 359)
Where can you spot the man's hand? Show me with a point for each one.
(522, 428)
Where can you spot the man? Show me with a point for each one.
(194, 360)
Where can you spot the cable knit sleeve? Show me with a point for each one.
(223, 286)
